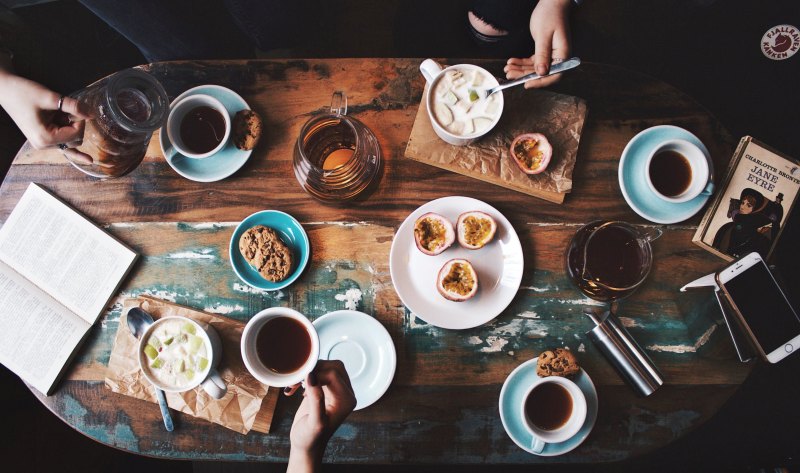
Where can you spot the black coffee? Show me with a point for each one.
(202, 129)
(283, 345)
(548, 406)
(670, 173)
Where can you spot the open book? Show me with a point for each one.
(58, 272)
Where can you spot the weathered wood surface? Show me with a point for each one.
(442, 405)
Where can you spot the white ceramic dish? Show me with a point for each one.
(499, 266)
(365, 348)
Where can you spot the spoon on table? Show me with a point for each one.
(554, 69)
(138, 321)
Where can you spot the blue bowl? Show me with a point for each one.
(292, 234)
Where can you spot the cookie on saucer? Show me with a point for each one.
(557, 362)
(264, 250)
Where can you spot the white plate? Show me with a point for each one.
(365, 348)
(512, 396)
(499, 266)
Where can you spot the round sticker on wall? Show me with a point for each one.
(780, 42)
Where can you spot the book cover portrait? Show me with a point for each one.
(753, 206)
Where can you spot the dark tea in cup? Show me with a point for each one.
(283, 345)
(202, 129)
(279, 346)
(670, 172)
(548, 406)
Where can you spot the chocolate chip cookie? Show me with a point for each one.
(264, 250)
(557, 362)
(246, 129)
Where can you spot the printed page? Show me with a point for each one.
(38, 336)
(63, 253)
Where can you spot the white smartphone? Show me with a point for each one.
(762, 307)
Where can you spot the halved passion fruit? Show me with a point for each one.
(531, 152)
(475, 229)
(433, 233)
(457, 280)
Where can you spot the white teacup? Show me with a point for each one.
(573, 409)
(208, 377)
(434, 74)
(694, 162)
(257, 367)
(177, 113)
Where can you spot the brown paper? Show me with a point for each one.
(559, 117)
(248, 404)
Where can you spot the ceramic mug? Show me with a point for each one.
(178, 112)
(252, 357)
(567, 400)
(434, 74)
(208, 377)
(686, 162)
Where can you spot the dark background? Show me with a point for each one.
(709, 49)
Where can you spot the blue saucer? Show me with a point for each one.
(290, 231)
(511, 397)
(634, 185)
(226, 161)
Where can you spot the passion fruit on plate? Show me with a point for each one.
(475, 229)
(433, 233)
(457, 280)
(531, 152)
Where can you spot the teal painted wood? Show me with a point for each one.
(447, 384)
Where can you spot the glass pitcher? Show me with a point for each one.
(125, 109)
(336, 157)
(609, 260)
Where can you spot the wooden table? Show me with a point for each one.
(442, 405)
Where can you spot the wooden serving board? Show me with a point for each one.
(557, 116)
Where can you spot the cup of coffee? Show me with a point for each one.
(177, 354)
(458, 109)
(280, 346)
(198, 126)
(554, 410)
(677, 171)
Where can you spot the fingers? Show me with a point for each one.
(71, 106)
(290, 390)
(542, 55)
(316, 400)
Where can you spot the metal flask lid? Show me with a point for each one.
(622, 351)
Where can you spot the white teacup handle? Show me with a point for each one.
(214, 385)
(430, 69)
(537, 444)
(709, 189)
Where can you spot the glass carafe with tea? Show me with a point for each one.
(609, 260)
(336, 157)
(124, 109)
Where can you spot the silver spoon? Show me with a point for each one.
(554, 69)
(138, 321)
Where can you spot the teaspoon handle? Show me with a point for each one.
(162, 403)
(554, 69)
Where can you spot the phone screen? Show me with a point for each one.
(764, 307)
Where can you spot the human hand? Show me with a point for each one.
(550, 31)
(34, 108)
(327, 401)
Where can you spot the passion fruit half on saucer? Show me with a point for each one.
(531, 152)
(433, 233)
(475, 229)
(457, 280)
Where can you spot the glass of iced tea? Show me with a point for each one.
(336, 157)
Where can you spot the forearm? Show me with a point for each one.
(302, 461)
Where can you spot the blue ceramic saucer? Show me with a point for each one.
(511, 398)
(226, 161)
(634, 185)
(290, 231)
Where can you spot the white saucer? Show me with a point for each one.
(499, 266)
(632, 182)
(365, 348)
(223, 163)
(511, 398)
